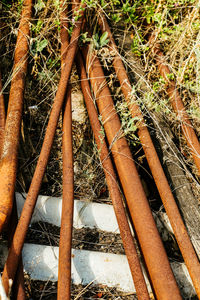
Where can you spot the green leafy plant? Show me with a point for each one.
(116, 17)
(38, 46)
(39, 6)
(101, 41)
(84, 38)
(37, 28)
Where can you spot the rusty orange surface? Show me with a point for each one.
(29, 205)
(113, 186)
(162, 184)
(154, 253)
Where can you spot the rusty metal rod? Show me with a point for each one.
(64, 35)
(152, 248)
(18, 286)
(65, 244)
(8, 164)
(178, 106)
(2, 117)
(127, 238)
(162, 184)
(29, 205)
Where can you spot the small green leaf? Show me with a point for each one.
(103, 39)
(116, 18)
(170, 76)
(41, 45)
(39, 6)
(95, 40)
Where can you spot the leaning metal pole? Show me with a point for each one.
(65, 244)
(2, 117)
(127, 238)
(178, 106)
(18, 286)
(29, 205)
(162, 184)
(18, 283)
(8, 164)
(152, 248)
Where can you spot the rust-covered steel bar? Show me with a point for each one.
(162, 184)
(29, 205)
(64, 35)
(152, 248)
(127, 238)
(2, 117)
(8, 164)
(19, 288)
(65, 244)
(64, 267)
(18, 284)
(178, 106)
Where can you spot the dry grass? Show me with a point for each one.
(177, 30)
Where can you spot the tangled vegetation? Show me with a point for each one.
(175, 25)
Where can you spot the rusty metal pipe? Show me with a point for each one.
(178, 106)
(64, 35)
(64, 267)
(29, 205)
(2, 117)
(8, 164)
(18, 284)
(152, 248)
(19, 289)
(162, 184)
(65, 244)
(129, 247)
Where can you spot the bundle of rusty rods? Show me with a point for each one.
(157, 265)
